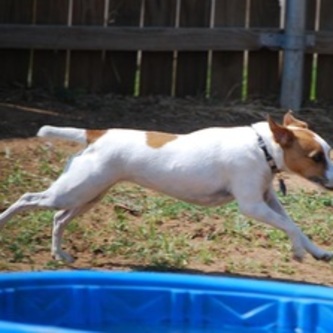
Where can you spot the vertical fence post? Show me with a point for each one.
(293, 55)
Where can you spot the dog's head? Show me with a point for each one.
(305, 152)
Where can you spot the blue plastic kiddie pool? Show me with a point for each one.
(85, 301)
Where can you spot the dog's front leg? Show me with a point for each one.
(319, 254)
(261, 211)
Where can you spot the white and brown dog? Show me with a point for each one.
(208, 167)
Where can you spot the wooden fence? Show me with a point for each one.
(216, 48)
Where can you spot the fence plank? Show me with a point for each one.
(121, 66)
(325, 62)
(156, 67)
(263, 65)
(86, 67)
(136, 38)
(49, 66)
(227, 67)
(192, 66)
(308, 58)
(14, 64)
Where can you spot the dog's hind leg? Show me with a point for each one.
(27, 201)
(60, 221)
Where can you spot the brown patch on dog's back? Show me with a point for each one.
(93, 135)
(159, 139)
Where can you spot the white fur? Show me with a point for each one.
(208, 167)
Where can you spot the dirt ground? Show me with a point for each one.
(24, 112)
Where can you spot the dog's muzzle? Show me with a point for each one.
(322, 181)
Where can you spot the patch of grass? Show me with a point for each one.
(155, 242)
(47, 165)
(13, 178)
(145, 242)
(313, 213)
(25, 235)
(165, 208)
(53, 265)
(206, 256)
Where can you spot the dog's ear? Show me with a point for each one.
(290, 120)
(282, 135)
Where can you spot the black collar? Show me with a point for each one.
(268, 156)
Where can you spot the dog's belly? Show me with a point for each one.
(219, 198)
(191, 192)
(214, 199)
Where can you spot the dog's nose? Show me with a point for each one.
(330, 154)
(327, 183)
(322, 181)
(329, 186)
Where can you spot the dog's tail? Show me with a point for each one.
(67, 133)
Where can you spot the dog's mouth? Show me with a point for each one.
(322, 181)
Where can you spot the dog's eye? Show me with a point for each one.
(318, 157)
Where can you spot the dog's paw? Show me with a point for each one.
(298, 257)
(298, 254)
(63, 256)
(324, 256)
